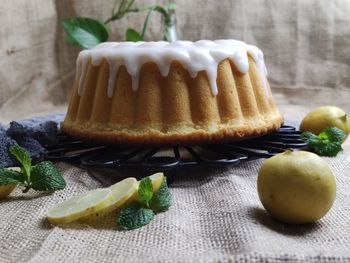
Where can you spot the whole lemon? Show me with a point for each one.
(320, 118)
(296, 187)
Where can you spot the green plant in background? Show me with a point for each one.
(87, 33)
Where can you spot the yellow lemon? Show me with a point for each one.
(296, 187)
(320, 118)
(5, 190)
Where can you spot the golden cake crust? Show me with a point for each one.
(172, 110)
(156, 138)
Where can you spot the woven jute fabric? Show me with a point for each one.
(216, 216)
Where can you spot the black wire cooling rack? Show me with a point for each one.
(170, 158)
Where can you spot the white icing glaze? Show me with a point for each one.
(194, 56)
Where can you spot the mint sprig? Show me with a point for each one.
(41, 177)
(140, 213)
(327, 143)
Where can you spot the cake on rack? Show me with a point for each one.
(179, 93)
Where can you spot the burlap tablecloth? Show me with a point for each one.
(216, 216)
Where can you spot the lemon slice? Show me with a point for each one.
(157, 180)
(5, 190)
(121, 193)
(79, 206)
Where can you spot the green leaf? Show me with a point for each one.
(327, 143)
(71, 40)
(85, 32)
(306, 136)
(134, 216)
(8, 176)
(327, 149)
(145, 191)
(132, 35)
(23, 157)
(312, 139)
(46, 177)
(333, 134)
(161, 200)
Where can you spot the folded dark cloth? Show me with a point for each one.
(33, 138)
(5, 142)
(34, 148)
(45, 133)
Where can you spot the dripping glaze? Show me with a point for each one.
(194, 57)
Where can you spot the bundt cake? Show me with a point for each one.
(160, 93)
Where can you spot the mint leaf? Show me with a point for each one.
(46, 177)
(133, 35)
(327, 149)
(23, 157)
(327, 143)
(161, 200)
(134, 216)
(145, 191)
(333, 134)
(8, 176)
(306, 136)
(85, 32)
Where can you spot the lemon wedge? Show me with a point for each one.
(79, 206)
(157, 180)
(121, 193)
(5, 190)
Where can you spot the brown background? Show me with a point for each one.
(306, 45)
